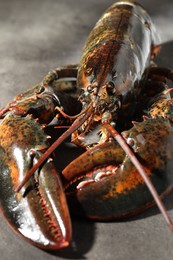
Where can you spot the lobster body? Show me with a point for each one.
(105, 91)
(117, 53)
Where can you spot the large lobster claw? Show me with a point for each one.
(113, 187)
(39, 211)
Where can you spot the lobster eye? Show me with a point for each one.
(110, 87)
(130, 142)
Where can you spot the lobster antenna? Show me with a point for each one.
(68, 116)
(141, 171)
(76, 124)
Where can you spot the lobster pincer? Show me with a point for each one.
(113, 188)
(34, 212)
(39, 211)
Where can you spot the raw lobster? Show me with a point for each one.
(109, 91)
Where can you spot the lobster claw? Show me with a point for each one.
(51, 226)
(39, 211)
(119, 190)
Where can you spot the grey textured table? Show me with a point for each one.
(36, 36)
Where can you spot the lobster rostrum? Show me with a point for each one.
(114, 89)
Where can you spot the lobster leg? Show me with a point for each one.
(41, 100)
(59, 73)
(39, 211)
